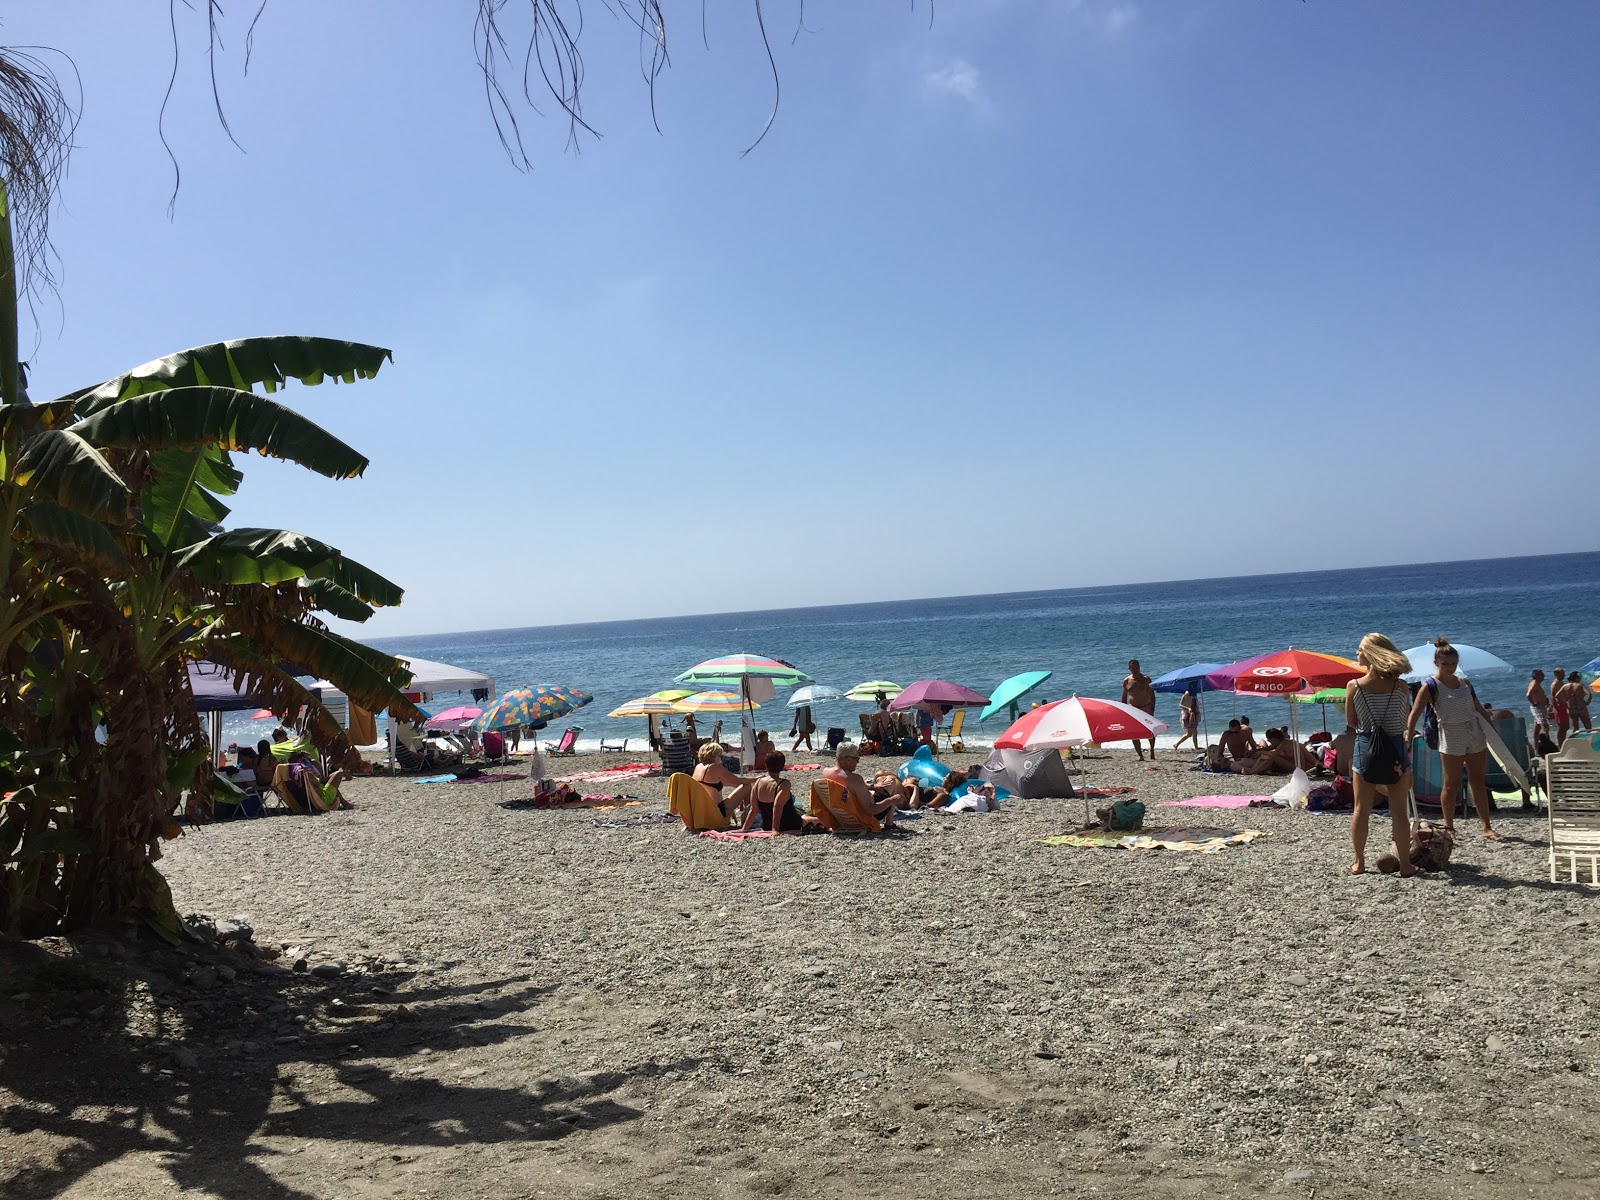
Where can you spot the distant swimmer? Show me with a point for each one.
(1136, 690)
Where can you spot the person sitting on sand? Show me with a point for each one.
(764, 745)
(772, 800)
(846, 758)
(715, 776)
(1279, 757)
(1250, 743)
(1234, 744)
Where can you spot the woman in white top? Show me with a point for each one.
(1376, 707)
(1457, 710)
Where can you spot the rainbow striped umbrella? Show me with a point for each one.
(713, 702)
(867, 692)
(732, 669)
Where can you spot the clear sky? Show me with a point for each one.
(1050, 293)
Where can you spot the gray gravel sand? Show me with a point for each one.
(532, 1004)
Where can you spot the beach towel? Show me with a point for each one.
(739, 835)
(694, 804)
(432, 779)
(596, 803)
(1200, 839)
(493, 777)
(1099, 793)
(1218, 802)
(611, 774)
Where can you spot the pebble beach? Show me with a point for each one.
(574, 1003)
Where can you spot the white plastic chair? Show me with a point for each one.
(1572, 784)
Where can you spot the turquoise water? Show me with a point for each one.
(1531, 612)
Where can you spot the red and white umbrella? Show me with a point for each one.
(1077, 722)
(1294, 670)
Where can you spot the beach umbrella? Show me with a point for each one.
(646, 706)
(534, 707)
(814, 693)
(262, 714)
(1077, 721)
(1010, 691)
(1221, 680)
(732, 669)
(1473, 662)
(671, 694)
(713, 702)
(454, 718)
(1589, 667)
(1327, 696)
(1289, 671)
(867, 693)
(935, 693)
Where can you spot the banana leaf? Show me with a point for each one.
(243, 363)
(59, 465)
(54, 525)
(239, 556)
(190, 418)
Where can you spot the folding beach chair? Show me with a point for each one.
(952, 736)
(692, 802)
(835, 807)
(567, 747)
(1572, 786)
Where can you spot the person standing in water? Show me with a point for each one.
(1462, 744)
(1136, 691)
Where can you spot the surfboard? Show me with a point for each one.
(1502, 755)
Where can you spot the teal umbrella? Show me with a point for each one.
(1010, 691)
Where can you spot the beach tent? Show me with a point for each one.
(1031, 774)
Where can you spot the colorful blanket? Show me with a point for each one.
(610, 774)
(432, 779)
(1099, 793)
(1218, 802)
(1201, 839)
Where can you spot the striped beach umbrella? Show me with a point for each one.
(732, 669)
(867, 693)
(645, 706)
(713, 702)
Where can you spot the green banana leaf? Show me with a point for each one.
(241, 556)
(226, 418)
(373, 679)
(243, 363)
(54, 525)
(59, 465)
(329, 597)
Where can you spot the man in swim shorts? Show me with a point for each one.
(1538, 704)
(846, 758)
(1136, 690)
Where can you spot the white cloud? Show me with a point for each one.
(957, 78)
(1118, 17)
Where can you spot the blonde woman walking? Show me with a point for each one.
(1376, 707)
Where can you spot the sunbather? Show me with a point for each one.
(732, 791)
(303, 790)
(846, 758)
(927, 796)
(772, 800)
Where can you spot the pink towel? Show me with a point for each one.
(736, 835)
(1216, 802)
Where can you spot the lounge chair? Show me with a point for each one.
(607, 747)
(408, 759)
(952, 736)
(1572, 788)
(693, 803)
(566, 747)
(835, 807)
(494, 746)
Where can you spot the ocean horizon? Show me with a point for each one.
(1531, 611)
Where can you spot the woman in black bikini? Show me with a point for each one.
(772, 800)
(715, 776)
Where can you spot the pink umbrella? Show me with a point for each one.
(1077, 722)
(1222, 681)
(454, 718)
(262, 714)
(932, 693)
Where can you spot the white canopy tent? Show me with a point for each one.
(429, 678)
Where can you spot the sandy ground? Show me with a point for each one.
(533, 1004)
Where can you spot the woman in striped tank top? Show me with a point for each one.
(1376, 707)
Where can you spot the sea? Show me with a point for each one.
(1533, 612)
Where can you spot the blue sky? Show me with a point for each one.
(1050, 293)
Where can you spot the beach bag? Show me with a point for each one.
(1121, 815)
(1323, 798)
(1383, 764)
(1431, 846)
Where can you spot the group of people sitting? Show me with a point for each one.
(1238, 752)
(767, 799)
(290, 772)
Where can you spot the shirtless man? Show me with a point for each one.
(1578, 702)
(846, 758)
(1233, 744)
(1136, 690)
(1538, 704)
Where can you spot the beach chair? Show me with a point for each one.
(1572, 789)
(952, 736)
(494, 746)
(567, 746)
(692, 803)
(609, 747)
(835, 807)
